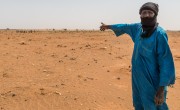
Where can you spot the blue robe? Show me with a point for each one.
(152, 65)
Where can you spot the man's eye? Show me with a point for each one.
(150, 13)
(144, 13)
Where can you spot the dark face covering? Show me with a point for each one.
(149, 21)
(149, 24)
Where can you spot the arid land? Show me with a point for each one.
(71, 70)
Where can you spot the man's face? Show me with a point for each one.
(147, 13)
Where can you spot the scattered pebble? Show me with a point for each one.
(22, 43)
(56, 92)
(118, 78)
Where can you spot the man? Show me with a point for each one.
(152, 63)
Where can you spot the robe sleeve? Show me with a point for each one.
(130, 29)
(165, 61)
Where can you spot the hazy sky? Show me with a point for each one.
(81, 14)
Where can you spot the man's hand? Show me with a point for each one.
(159, 98)
(103, 27)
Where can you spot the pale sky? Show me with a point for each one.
(81, 14)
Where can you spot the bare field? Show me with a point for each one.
(71, 70)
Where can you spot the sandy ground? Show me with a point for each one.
(71, 71)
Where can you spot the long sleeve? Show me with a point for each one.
(165, 61)
(130, 29)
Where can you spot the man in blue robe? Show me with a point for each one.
(152, 62)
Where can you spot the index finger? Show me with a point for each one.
(102, 23)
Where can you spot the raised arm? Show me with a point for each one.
(119, 29)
